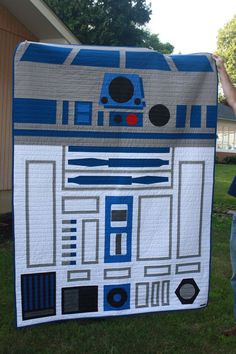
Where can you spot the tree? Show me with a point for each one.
(109, 22)
(226, 47)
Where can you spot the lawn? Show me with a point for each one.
(174, 333)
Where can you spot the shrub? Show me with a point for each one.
(230, 160)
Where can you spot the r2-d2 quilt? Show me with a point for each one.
(113, 179)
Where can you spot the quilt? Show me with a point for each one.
(113, 179)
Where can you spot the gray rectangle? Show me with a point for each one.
(154, 271)
(117, 273)
(36, 199)
(188, 268)
(154, 220)
(155, 296)
(190, 208)
(165, 293)
(80, 205)
(78, 275)
(142, 295)
(90, 239)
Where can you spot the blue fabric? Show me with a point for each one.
(232, 188)
(39, 53)
(233, 260)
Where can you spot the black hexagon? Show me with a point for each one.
(187, 291)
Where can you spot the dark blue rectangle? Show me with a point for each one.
(99, 58)
(162, 150)
(192, 63)
(110, 201)
(112, 135)
(37, 111)
(211, 118)
(100, 118)
(42, 53)
(65, 111)
(195, 117)
(181, 111)
(146, 60)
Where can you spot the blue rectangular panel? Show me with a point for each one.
(100, 118)
(112, 135)
(99, 58)
(38, 295)
(162, 150)
(65, 111)
(211, 117)
(83, 113)
(192, 63)
(109, 229)
(42, 53)
(146, 60)
(30, 110)
(181, 111)
(195, 117)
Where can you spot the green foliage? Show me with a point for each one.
(230, 160)
(152, 41)
(109, 22)
(226, 47)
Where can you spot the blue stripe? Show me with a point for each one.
(211, 118)
(192, 63)
(100, 58)
(92, 162)
(72, 262)
(119, 180)
(100, 118)
(112, 135)
(25, 294)
(46, 289)
(65, 109)
(146, 60)
(73, 238)
(195, 117)
(42, 305)
(52, 290)
(45, 54)
(73, 221)
(162, 150)
(30, 292)
(37, 111)
(181, 116)
(36, 299)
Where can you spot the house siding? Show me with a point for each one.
(11, 33)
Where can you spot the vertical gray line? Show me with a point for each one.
(179, 203)
(138, 231)
(172, 167)
(201, 211)
(118, 244)
(27, 213)
(54, 211)
(171, 222)
(63, 166)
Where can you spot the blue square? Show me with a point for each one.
(83, 113)
(116, 297)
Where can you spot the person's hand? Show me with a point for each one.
(219, 62)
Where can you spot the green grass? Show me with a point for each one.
(161, 333)
(223, 178)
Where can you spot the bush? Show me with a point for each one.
(231, 160)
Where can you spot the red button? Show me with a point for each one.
(131, 119)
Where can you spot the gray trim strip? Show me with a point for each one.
(40, 162)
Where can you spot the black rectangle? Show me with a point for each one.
(119, 215)
(38, 292)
